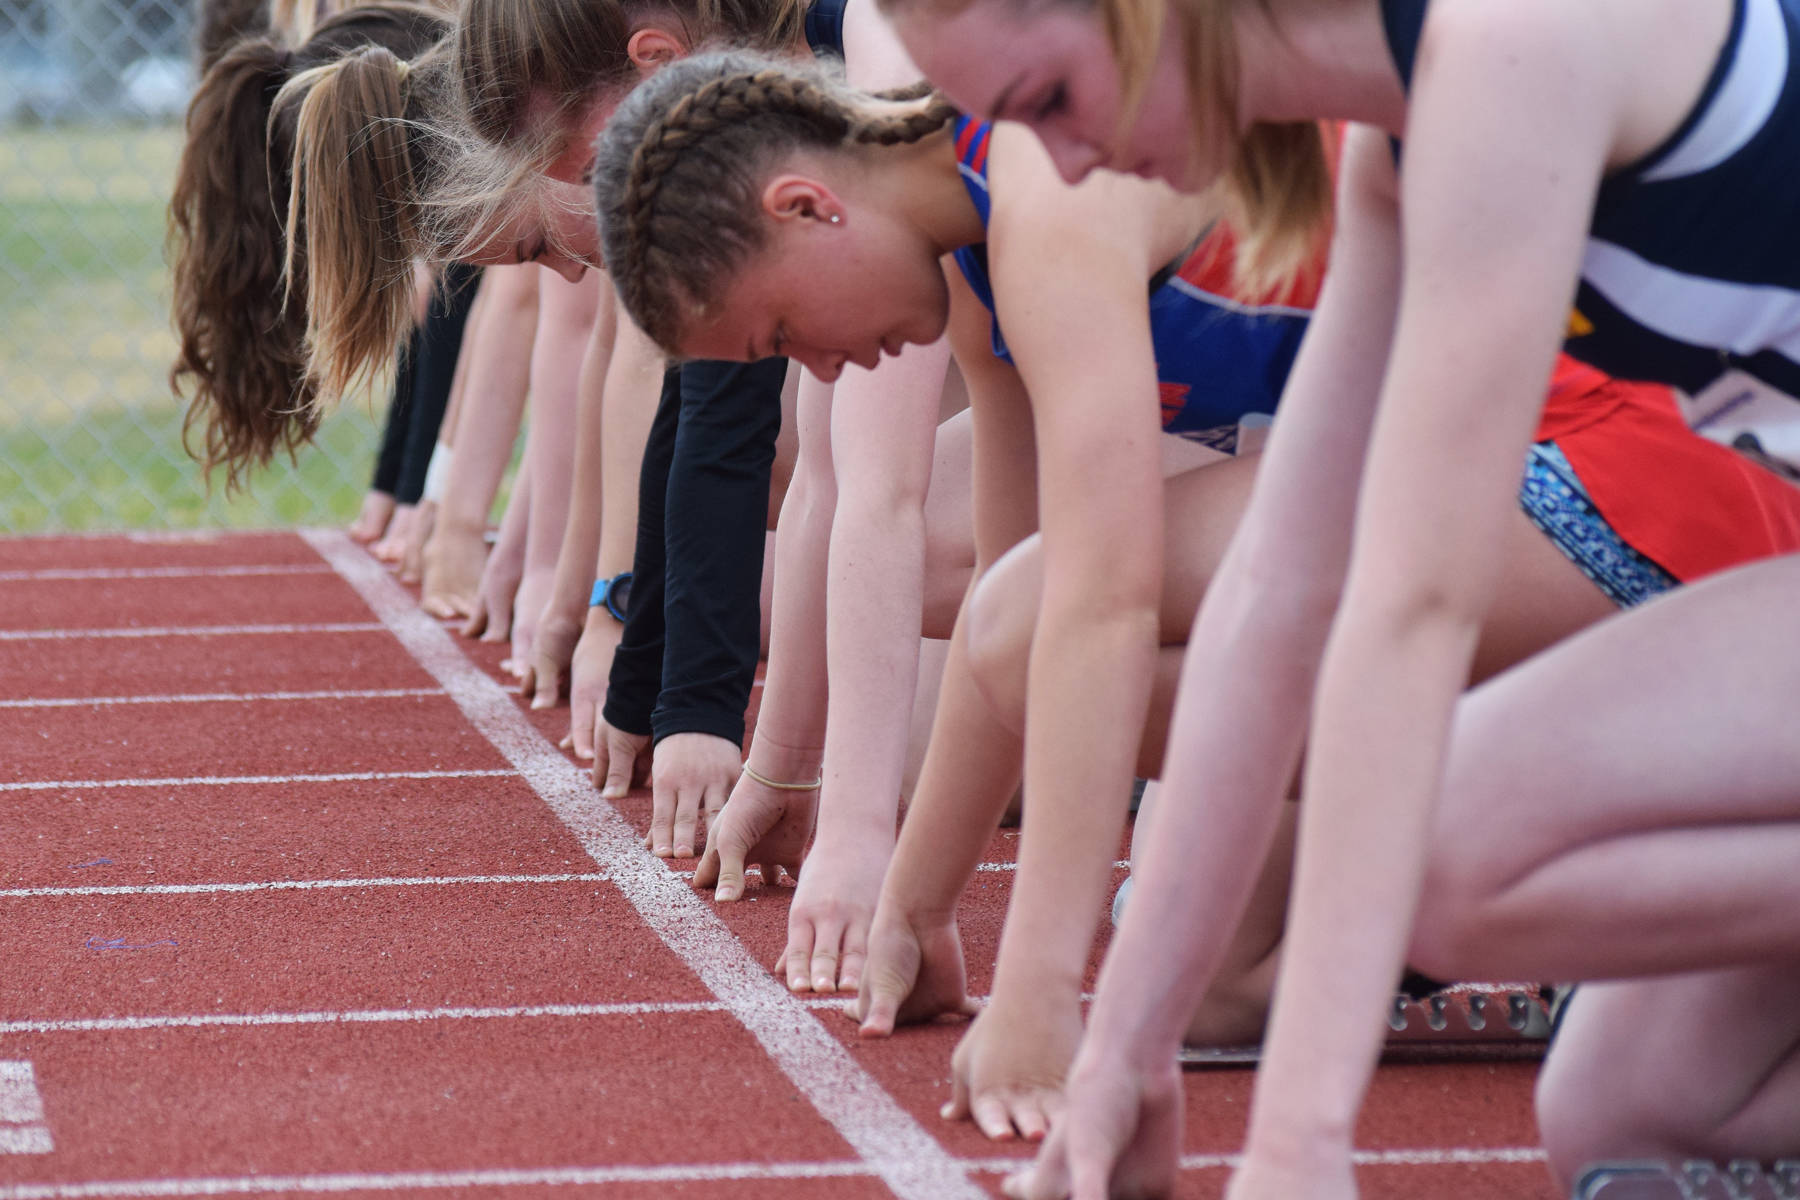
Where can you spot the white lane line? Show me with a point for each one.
(417, 1180)
(1124, 864)
(906, 1158)
(385, 1016)
(50, 785)
(289, 885)
(1468, 1156)
(74, 573)
(22, 1127)
(357, 1016)
(687, 1173)
(225, 698)
(171, 631)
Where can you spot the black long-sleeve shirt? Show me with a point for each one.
(693, 624)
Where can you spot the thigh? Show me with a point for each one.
(1674, 715)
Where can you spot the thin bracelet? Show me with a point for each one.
(782, 787)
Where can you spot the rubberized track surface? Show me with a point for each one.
(294, 898)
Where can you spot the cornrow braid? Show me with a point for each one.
(679, 172)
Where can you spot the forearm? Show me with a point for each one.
(1386, 693)
(493, 399)
(563, 331)
(876, 599)
(576, 557)
(790, 726)
(970, 772)
(1089, 694)
(634, 380)
(636, 673)
(1235, 736)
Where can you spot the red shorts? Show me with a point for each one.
(1689, 505)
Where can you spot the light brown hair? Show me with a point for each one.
(1277, 186)
(240, 358)
(681, 167)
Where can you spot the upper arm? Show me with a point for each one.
(1507, 142)
(1070, 268)
(874, 59)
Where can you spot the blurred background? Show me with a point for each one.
(92, 94)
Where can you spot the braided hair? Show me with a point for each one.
(679, 172)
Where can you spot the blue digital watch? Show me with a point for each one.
(614, 593)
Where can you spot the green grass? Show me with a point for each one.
(89, 435)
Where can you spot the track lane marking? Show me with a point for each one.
(905, 1156)
(22, 1126)
(694, 1173)
(50, 574)
(172, 631)
(225, 697)
(290, 885)
(50, 785)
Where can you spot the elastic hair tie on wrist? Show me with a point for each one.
(782, 787)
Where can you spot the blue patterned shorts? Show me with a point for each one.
(1557, 502)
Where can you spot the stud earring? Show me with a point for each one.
(837, 218)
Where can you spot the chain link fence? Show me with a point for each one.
(92, 94)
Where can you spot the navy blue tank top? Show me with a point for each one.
(825, 27)
(1218, 357)
(1693, 254)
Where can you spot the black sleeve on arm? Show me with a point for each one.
(715, 525)
(636, 673)
(435, 349)
(389, 458)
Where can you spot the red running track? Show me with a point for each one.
(297, 899)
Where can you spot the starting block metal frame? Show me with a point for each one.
(1736, 1180)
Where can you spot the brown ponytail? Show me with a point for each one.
(680, 170)
(240, 353)
(367, 144)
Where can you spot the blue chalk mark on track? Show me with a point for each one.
(99, 943)
(98, 862)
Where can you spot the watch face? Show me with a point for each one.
(618, 595)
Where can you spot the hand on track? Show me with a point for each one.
(914, 973)
(1008, 1071)
(534, 591)
(372, 521)
(412, 558)
(455, 559)
(759, 826)
(1118, 1135)
(390, 548)
(692, 772)
(547, 664)
(588, 672)
(833, 907)
(621, 761)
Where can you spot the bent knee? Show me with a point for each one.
(1002, 617)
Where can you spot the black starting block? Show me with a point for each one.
(1736, 1180)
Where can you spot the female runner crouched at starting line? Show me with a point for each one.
(749, 205)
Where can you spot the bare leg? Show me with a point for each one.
(1688, 1066)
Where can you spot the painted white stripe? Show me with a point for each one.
(1455, 1156)
(289, 885)
(51, 785)
(170, 631)
(58, 573)
(436, 1180)
(1124, 864)
(355, 1016)
(1742, 317)
(20, 1103)
(22, 1128)
(224, 698)
(676, 1173)
(905, 1157)
(1743, 103)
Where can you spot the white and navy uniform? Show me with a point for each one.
(1692, 265)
